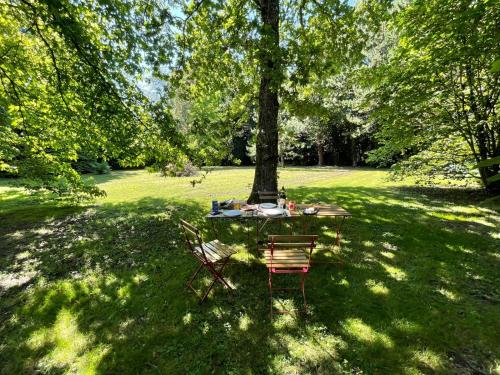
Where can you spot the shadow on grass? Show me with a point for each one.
(114, 175)
(107, 293)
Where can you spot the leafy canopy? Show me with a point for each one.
(68, 74)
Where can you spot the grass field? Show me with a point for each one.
(99, 287)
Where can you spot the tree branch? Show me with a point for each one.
(54, 63)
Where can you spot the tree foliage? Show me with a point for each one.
(242, 54)
(418, 77)
(439, 88)
(68, 74)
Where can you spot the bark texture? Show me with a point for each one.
(321, 154)
(266, 163)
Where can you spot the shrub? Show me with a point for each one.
(87, 164)
(182, 169)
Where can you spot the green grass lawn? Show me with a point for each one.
(100, 288)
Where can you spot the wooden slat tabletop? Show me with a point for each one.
(324, 210)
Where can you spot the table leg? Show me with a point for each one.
(338, 227)
(304, 224)
(257, 234)
(215, 232)
(248, 234)
(260, 229)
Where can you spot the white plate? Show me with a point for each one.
(274, 212)
(232, 213)
(266, 206)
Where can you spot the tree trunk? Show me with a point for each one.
(321, 154)
(493, 188)
(487, 172)
(354, 152)
(266, 161)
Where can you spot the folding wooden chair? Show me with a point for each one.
(212, 255)
(266, 196)
(289, 254)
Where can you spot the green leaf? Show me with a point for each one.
(495, 67)
(494, 178)
(488, 162)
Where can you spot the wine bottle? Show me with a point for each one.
(283, 193)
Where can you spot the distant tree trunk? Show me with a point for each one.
(266, 161)
(336, 156)
(321, 154)
(354, 153)
(484, 153)
(491, 187)
(486, 139)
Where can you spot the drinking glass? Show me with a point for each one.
(281, 203)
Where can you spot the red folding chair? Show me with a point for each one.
(212, 255)
(288, 255)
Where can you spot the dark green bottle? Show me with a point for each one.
(282, 193)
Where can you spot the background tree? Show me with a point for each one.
(335, 117)
(243, 51)
(68, 75)
(439, 86)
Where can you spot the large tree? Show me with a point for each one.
(438, 97)
(68, 75)
(266, 162)
(256, 53)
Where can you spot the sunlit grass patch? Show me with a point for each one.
(428, 359)
(406, 326)
(395, 272)
(361, 331)
(387, 254)
(311, 349)
(244, 322)
(66, 346)
(448, 294)
(377, 287)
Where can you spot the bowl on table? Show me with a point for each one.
(267, 206)
(273, 212)
(310, 211)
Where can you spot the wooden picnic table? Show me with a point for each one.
(337, 213)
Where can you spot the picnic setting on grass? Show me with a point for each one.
(299, 187)
(282, 253)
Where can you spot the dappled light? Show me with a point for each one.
(101, 289)
(363, 332)
(67, 347)
(279, 187)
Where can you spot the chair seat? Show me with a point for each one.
(215, 250)
(293, 258)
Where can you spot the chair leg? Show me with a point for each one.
(271, 292)
(217, 273)
(217, 276)
(208, 290)
(190, 282)
(302, 286)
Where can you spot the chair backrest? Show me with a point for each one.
(268, 196)
(284, 242)
(193, 239)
